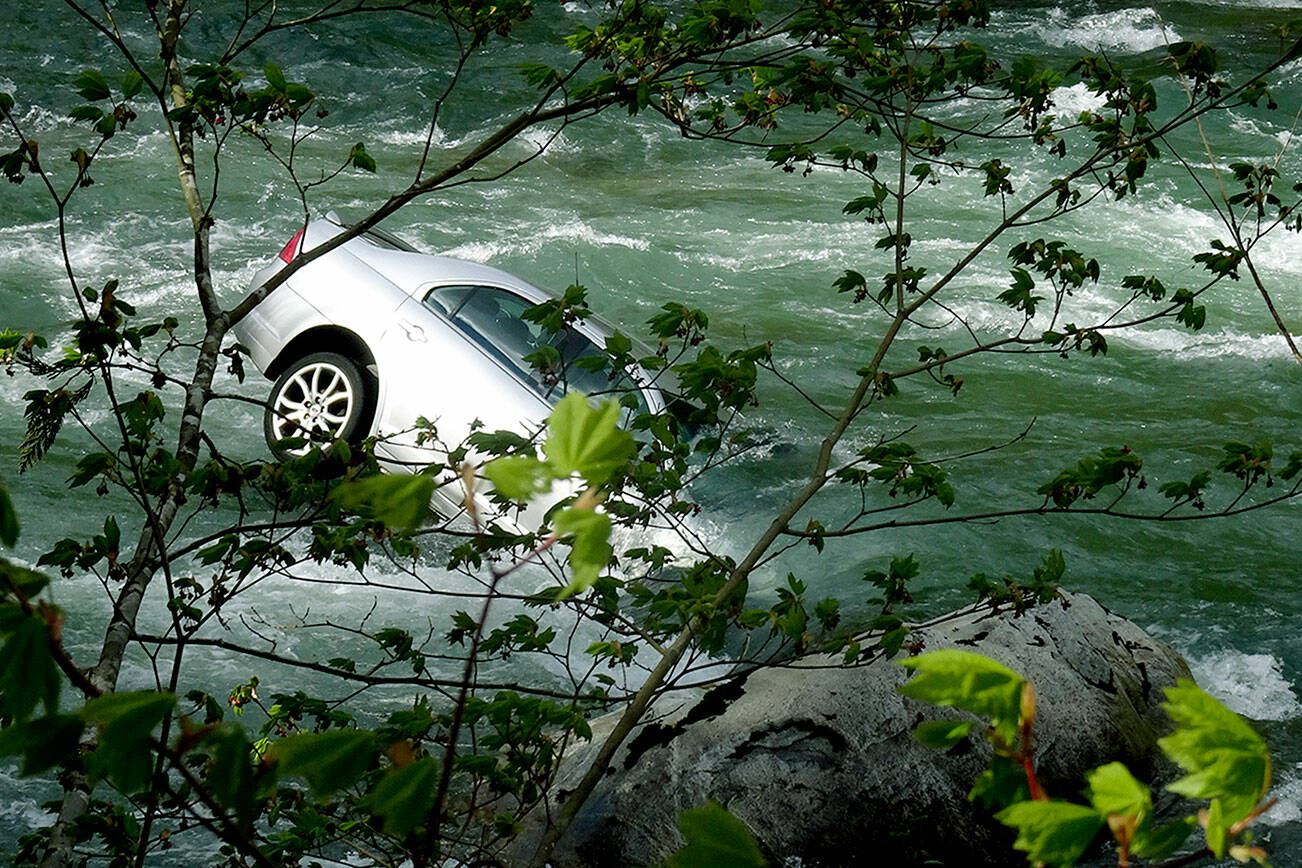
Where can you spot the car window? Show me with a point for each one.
(493, 317)
(447, 299)
(573, 348)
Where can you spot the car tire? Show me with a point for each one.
(323, 397)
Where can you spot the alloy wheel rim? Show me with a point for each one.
(317, 398)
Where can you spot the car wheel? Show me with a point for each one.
(322, 396)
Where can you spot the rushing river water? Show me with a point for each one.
(650, 217)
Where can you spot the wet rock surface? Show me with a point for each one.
(819, 762)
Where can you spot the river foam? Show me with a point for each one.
(1128, 31)
(1252, 685)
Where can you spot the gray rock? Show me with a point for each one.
(818, 759)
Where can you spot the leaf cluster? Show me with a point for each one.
(1225, 761)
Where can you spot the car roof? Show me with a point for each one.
(414, 272)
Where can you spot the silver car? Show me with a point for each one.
(374, 335)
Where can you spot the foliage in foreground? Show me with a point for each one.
(868, 92)
(1225, 763)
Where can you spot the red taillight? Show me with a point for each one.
(292, 247)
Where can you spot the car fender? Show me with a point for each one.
(273, 324)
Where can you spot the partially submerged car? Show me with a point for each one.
(375, 335)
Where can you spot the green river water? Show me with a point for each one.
(650, 217)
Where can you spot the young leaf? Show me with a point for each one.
(28, 673)
(398, 500)
(1055, 833)
(518, 477)
(8, 519)
(125, 721)
(1217, 831)
(404, 796)
(715, 839)
(230, 776)
(92, 85)
(942, 734)
(539, 74)
(586, 441)
(590, 549)
(42, 743)
(1161, 842)
(275, 77)
(112, 534)
(132, 82)
(86, 113)
(1224, 758)
(974, 683)
(328, 760)
(28, 581)
(1114, 790)
(360, 159)
(1003, 784)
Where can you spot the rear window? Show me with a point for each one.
(382, 239)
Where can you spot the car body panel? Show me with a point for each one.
(449, 382)
(442, 338)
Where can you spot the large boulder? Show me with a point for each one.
(818, 760)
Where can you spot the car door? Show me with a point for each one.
(458, 372)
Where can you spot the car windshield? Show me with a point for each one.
(493, 317)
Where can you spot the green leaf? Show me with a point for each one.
(586, 441)
(86, 113)
(132, 82)
(1160, 843)
(974, 683)
(1052, 832)
(28, 673)
(43, 743)
(1114, 790)
(892, 641)
(29, 582)
(121, 714)
(11, 616)
(360, 159)
(539, 74)
(231, 773)
(404, 797)
(942, 734)
(518, 477)
(590, 549)
(398, 500)
(112, 534)
(715, 839)
(8, 518)
(328, 760)
(580, 440)
(1003, 784)
(1218, 832)
(92, 85)
(125, 721)
(300, 95)
(275, 77)
(1224, 758)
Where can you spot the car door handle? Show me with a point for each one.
(414, 332)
